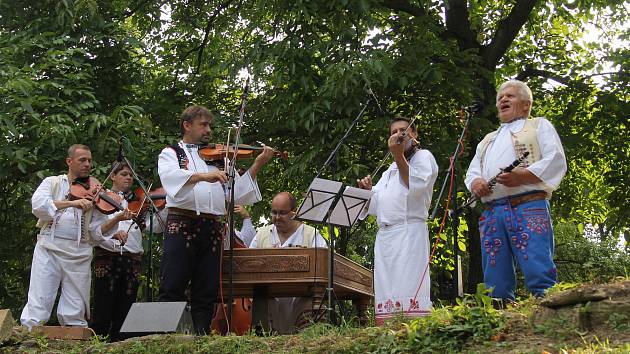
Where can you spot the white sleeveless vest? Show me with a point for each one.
(524, 140)
(264, 236)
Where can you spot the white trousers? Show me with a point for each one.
(59, 262)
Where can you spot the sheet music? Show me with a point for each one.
(320, 196)
(349, 207)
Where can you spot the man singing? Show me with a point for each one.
(516, 222)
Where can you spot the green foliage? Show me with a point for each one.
(579, 259)
(447, 329)
(598, 346)
(619, 321)
(559, 328)
(65, 79)
(472, 319)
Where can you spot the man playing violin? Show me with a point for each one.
(196, 196)
(401, 201)
(63, 252)
(117, 257)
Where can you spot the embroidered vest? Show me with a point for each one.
(54, 189)
(524, 140)
(264, 236)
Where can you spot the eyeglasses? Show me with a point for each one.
(279, 213)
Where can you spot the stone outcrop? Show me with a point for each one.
(589, 305)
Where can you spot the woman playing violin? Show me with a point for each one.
(117, 258)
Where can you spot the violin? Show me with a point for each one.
(216, 152)
(107, 202)
(137, 203)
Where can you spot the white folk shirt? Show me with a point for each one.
(247, 232)
(58, 259)
(284, 312)
(295, 240)
(63, 223)
(202, 197)
(134, 236)
(393, 203)
(500, 153)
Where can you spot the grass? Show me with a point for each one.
(472, 325)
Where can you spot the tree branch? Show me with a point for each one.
(458, 24)
(530, 72)
(567, 261)
(507, 30)
(405, 6)
(206, 34)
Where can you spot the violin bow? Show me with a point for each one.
(226, 159)
(237, 135)
(380, 165)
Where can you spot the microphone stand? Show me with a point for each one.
(120, 159)
(231, 166)
(455, 218)
(343, 138)
(331, 302)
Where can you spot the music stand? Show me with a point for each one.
(322, 206)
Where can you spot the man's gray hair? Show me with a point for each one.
(524, 92)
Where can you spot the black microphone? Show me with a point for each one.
(473, 108)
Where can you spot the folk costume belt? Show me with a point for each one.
(192, 214)
(101, 252)
(516, 200)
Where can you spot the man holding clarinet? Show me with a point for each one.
(516, 222)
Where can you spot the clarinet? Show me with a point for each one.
(492, 182)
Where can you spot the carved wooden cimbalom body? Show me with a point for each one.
(285, 272)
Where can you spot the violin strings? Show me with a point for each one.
(144, 199)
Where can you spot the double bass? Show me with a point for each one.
(241, 311)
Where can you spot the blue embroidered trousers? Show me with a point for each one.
(524, 234)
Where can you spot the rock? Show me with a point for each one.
(597, 313)
(573, 297)
(6, 325)
(587, 293)
(588, 306)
